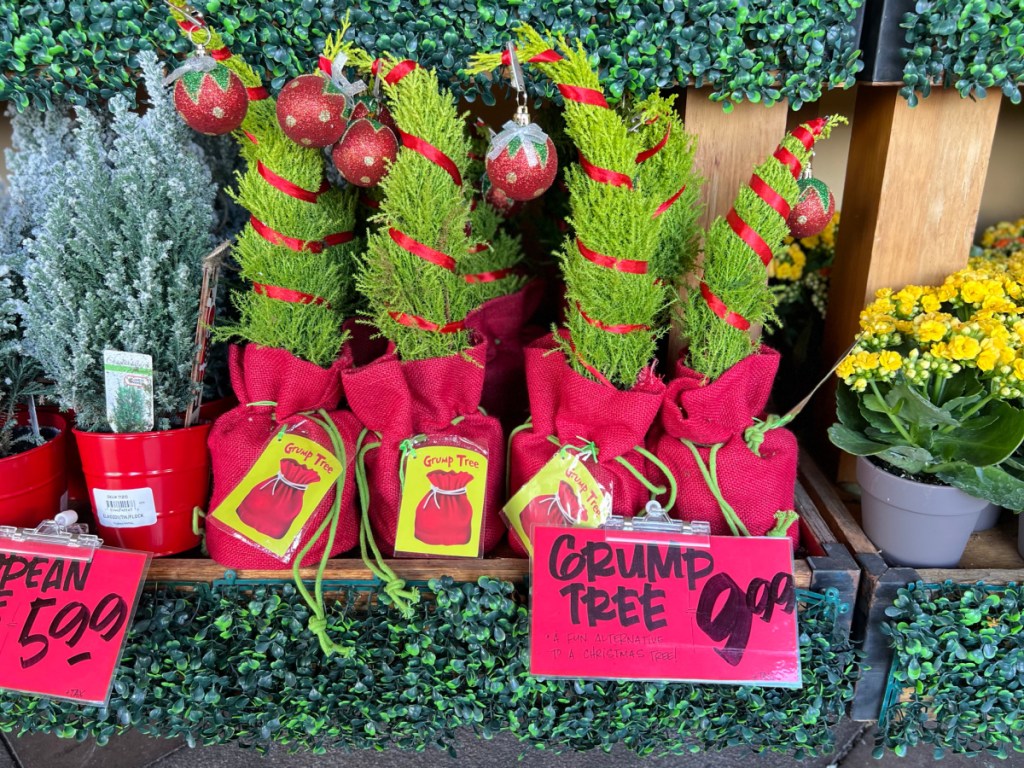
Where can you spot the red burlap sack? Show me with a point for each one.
(575, 409)
(264, 375)
(755, 485)
(503, 323)
(401, 399)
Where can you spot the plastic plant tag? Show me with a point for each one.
(128, 379)
(444, 480)
(274, 501)
(562, 494)
(639, 604)
(64, 615)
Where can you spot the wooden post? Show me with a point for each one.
(729, 145)
(913, 190)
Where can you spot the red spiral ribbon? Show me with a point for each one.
(292, 190)
(425, 252)
(250, 137)
(369, 202)
(221, 54)
(749, 236)
(490, 277)
(770, 196)
(623, 328)
(808, 133)
(668, 203)
(432, 153)
(717, 306)
(605, 175)
(400, 70)
(544, 57)
(478, 247)
(647, 154)
(787, 158)
(288, 295)
(257, 94)
(421, 323)
(632, 266)
(338, 238)
(188, 27)
(325, 65)
(291, 243)
(583, 95)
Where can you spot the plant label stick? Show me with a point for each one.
(128, 378)
(204, 327)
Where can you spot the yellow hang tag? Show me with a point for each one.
(442, 510)
(274, 501)
(563, 493)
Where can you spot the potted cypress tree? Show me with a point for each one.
(117, 265)
(34, 447)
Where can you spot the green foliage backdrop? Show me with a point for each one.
(82, 51)
(231, 663)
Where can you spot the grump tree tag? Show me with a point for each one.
(663, 606)
(63, 621)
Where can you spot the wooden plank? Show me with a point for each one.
(911, 199)
(995, 549)
(971, 575)
(346, 569)
(832, 508)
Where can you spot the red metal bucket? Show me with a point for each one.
(33, 482)
(144, 486)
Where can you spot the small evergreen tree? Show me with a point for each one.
(40, 145)
(117, 262)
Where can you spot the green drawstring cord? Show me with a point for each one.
(200, 530)
(318, 621)
(783, 519)
(710, 473)
(394, 587)
(754, 435)
(408, 449)
(655, 490)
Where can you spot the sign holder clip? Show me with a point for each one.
(63, 530)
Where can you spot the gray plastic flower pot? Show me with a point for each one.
(988, 518)
(915, 524)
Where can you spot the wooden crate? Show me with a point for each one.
(991, 556)
(825, 564)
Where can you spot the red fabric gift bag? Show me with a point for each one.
(573, 410)
(439, 397)
(752, 463)
(502, 321)
(276, 391)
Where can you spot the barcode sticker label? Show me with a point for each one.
(132, 508)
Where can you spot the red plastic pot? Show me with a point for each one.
(77, 494)
(169, 473)
(33, 482)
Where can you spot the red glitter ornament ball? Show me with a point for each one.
(522, 161)
(499, 201)
(365, 152)
(213, 102)
(813, 211)
(310, 111)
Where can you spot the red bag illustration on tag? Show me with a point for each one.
(561, 509)
(271, 506)
(445, 516)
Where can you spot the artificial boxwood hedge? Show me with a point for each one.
(972, 45)
(80, 51)
(236, 663)
(957, 681)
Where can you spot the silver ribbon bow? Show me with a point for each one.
(528, 135)
(340, 81)
(198, 63)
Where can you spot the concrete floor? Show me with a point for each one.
(135, 751)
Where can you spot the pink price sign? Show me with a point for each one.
(63, 619)
(629, 605)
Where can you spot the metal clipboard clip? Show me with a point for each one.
(656, 520)
(63, 531)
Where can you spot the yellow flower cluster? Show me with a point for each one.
(1002, 234)
(810, 253)
(926, 334)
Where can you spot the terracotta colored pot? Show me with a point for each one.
(33, 482)
(144, 486)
